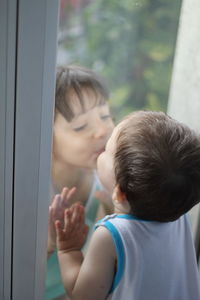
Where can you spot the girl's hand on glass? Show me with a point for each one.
(56, 212)
(72, 235)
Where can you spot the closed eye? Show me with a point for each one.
(104, 117)
(80, 127)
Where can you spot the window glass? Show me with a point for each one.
(131, 43)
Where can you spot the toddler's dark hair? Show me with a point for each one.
(72, 80)
(157, 166)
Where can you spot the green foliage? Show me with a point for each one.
(131, 43)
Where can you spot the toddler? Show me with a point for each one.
(144, 251)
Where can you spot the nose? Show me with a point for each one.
(101, 130)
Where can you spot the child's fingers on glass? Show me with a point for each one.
(76, 217)
(59, 229)
(79, 212)
(68, 220)
(64, 192)
(66, 195)
(71, 192)
(74, 214)
(56, 210)
(56, 201)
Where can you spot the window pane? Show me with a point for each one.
(131, 43)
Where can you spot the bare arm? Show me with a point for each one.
(92, 277)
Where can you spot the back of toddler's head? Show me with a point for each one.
(157, 166)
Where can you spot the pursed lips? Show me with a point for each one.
(98, 152)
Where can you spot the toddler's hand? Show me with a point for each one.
(73, 234)
(56, 212)
(61, 202)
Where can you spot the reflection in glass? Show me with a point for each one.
(131, 43)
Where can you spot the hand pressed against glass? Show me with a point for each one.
(72, 234)
(90, 278)
(56, 211)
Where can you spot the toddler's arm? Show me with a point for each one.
(90, 278)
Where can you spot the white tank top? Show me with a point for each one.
(155, 261)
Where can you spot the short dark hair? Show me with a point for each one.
(75, 79)
(157, 166)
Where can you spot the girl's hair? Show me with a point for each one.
(74, 81)
(157, 166)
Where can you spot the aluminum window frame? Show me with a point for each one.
(28, 35)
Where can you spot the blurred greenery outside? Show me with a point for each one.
(130, 43)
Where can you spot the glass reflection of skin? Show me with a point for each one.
(82, 126)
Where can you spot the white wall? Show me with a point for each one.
(184, 100)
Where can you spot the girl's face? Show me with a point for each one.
(79, 142)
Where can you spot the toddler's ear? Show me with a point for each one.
(119, 201)
(118, 195)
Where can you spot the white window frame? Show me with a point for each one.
(28, 35)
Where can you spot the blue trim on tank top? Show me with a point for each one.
(120, 254)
